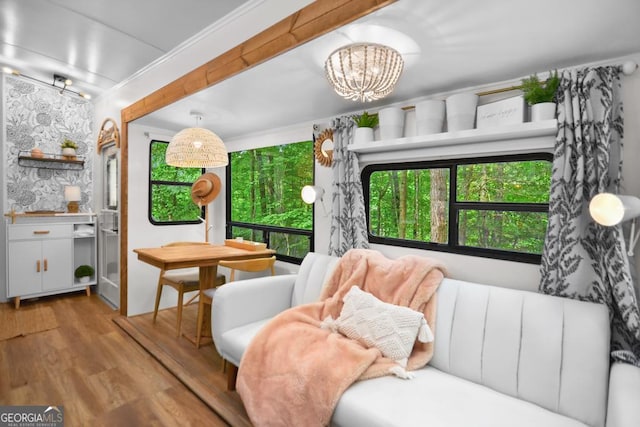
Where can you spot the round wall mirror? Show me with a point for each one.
(323, 148)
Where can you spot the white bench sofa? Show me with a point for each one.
(502, 357)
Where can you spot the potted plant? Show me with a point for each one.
(541, 96)
(68, 148)
(83, 273)
(365, 123)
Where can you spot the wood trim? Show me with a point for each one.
(310, 22)
(209, 395)
(124, 215)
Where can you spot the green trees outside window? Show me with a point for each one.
(263, 198)
(170, 190)
(495, 207)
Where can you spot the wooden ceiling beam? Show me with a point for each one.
(316, 19)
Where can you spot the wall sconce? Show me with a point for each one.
(311, 194)
(62, 81)
(612, 209)
(73, 195)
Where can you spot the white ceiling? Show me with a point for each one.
(447, 45)
(98, 43)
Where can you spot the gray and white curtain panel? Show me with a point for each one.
(348, 217)
(581, 259)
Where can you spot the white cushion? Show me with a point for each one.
(314, 271)
(390, 328)
(211, 292)
(237, 340)
(183, 275)
(547, 350)
(435, 398)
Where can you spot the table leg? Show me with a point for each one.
(207, 280)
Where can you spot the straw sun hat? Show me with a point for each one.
(205, 189)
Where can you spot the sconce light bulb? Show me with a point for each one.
(611, 209)
(311, 193)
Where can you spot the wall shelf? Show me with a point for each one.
(50, 161)
(511, 139)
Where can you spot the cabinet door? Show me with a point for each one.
(57, 255)
(23, 258)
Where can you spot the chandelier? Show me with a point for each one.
(364, 71)
(196, 148)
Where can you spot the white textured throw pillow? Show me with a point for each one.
(390, 328)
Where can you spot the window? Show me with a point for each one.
(493, 207)
(263, 198)
(170, 190)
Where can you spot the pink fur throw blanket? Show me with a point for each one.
(294, 371)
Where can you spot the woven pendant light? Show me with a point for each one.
(196, 148)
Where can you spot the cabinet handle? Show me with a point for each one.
(41, 232)
(38, 266)
(46, 265)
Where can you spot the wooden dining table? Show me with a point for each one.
(206, 258)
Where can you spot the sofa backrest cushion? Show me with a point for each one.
(314, 272)
(550, 351)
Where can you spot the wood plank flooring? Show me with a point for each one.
(199, 369)
(98, 373)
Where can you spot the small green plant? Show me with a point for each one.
(536, 91)
(366, 120)
(67, 143)
(83, 271)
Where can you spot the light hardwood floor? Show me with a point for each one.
(100, 374)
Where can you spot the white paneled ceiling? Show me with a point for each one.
(447, 45)
(98, 43)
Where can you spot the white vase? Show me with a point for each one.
(363, 135)
(391, 123)
(461, 111)
(543, 111)
(84, 279)
(69, 152)
(429, 117)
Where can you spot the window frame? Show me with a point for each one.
(173, 183)
(267, 229)
(454, 206)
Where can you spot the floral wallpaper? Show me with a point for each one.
(37, 116)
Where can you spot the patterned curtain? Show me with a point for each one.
(348, 217)
(581, 259)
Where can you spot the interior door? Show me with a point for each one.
(109, 237)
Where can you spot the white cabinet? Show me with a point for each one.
(39, 265)
(42, 256)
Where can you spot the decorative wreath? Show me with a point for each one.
(324, 157)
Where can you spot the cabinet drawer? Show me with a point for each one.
(39, 231)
